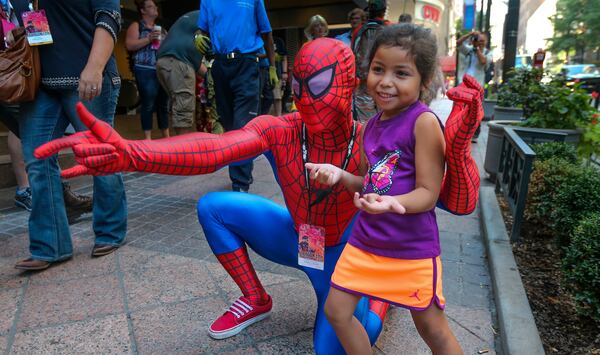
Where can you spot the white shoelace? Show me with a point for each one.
(240, 308)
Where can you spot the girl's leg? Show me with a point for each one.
(435, 331)
(339, 309)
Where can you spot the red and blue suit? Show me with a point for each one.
(323, 81)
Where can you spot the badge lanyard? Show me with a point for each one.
(321, 194)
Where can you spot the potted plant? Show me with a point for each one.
(512, 96)
(548, 107)
(515, 96)
(558, 107)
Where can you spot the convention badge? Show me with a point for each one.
(37, 27)
(311, 246)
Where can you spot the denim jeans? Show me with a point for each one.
(153, 98)
(43, 120)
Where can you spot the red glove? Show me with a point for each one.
(99, 151)
(460, 188)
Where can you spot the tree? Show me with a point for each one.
(576, 27)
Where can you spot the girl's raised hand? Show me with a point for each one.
(376, 204)
(326, 174)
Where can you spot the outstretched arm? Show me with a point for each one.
(102, 151)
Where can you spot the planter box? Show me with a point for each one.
(529, 135)
(507, 114)
(488, 109)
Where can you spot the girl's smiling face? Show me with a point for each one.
(393, 80)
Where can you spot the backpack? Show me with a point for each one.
(363, 42)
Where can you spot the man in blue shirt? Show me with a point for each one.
(236, 31)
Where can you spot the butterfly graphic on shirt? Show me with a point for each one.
(380, 174)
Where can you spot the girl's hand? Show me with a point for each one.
(326, 174)
(376, 204)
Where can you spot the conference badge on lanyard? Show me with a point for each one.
(37, 27)
(311, 246)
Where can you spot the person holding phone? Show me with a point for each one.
(474, 57)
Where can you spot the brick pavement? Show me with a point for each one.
(160, 291)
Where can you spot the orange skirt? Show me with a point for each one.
(413, 284)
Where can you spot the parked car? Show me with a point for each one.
(587, 74)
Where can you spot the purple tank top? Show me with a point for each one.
(390, 149)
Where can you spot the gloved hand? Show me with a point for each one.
(202, 43)
(273, 76)
(99, 151)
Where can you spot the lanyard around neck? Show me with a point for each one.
(320, 196)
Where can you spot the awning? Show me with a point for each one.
(448, 64)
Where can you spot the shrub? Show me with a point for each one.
(547, 177)
(581, 265)
(577, 195)
(555, 105)
(520, 90)
(560, 150)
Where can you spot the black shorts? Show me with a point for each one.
(9, 115)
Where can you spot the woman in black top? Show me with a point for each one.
(77, 66)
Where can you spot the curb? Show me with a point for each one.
(518, 331)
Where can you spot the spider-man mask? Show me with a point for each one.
(323, 81)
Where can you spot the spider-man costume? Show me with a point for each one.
(324, 77)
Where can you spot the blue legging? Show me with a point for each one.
(230, 219)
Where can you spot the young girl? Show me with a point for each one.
(393, 253)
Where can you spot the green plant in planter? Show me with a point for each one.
(581, 266)
(555, 105)
(520, 89)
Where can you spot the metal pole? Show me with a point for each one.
(487, 23)
(510, 38)
(480, 25)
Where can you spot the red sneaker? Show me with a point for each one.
(241, 314)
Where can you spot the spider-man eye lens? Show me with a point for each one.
(296, 87)
(320, 82)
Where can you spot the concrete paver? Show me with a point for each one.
(159, 292)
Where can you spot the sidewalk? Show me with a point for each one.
(160, 291)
